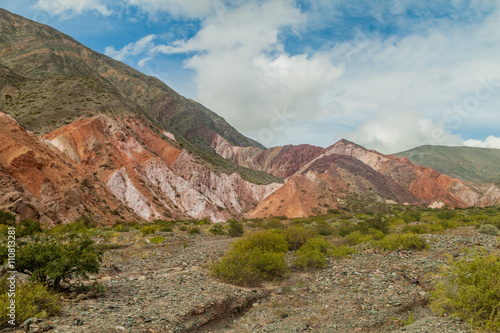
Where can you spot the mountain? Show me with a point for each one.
(47, 79)
(321, 178)
(467, 163)
(83, 134)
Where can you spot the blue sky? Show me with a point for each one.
(389, 75)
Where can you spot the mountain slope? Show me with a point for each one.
(467, 163)
(348, 170)
(48, 79)
(113, 169)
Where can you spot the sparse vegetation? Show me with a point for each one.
(468, 287)
(32, 300)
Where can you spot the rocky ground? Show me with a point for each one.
(167, 288)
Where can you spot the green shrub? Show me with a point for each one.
(313, 254)
(416, 229)
(274, 224)
(217, 230)
(257, 257)
(149, 229)
(446, 214)
(250, 268)
(157, 240)
(7, 218)
(411, 216)
(468, 287)
(342, 251)
(324, 228)
(235, 229)
(32, 300)
(194, 231)
(296, 236)
(488, 229)
(267, 240)
(53, 261)
(27, 228)
(394, 242)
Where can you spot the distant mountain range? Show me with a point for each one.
(472, 164)
(83, 134)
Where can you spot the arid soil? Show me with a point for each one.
(167, 288)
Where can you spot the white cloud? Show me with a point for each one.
(489, 142)
(68, 8)
(437, 73)
(184, 8)
(398, 129)
(390, 93)
(243, 73)
(132, 49)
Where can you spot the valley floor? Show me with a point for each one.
(167, 288)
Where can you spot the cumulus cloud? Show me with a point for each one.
(489, 142)
(388, 84)
(446, 75)
(71, 7)
(244, 74)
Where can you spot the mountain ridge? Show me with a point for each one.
(86, 134)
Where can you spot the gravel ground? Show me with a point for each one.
(167, 288)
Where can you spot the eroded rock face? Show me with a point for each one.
(150, 175)
(346, 169)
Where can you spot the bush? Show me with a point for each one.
(32, 300)
(446, 214)
(416, 229)
(157, 240)
(7, 218)
(53, 261)
(313, 253)
(235, 229)
(469, 287)
(296, 236)
(194, 231)
(411, 216)
(27, 228)
(342, 251)
(274, 224)
(488, 229)
(324, 228)
(402, 242)
(149, 229)
(258, 257)
(217, 230)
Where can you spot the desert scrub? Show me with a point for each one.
(469, 287)
(488, 229)
(251, 260)
(157, 240)
(235, 228)
(52, 261)
(217, 230)
(313, 254)
(32, 300)
(149, 229)
(296, 236)
(406, 242)
(342, 251)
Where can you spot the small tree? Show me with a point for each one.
(54, 261)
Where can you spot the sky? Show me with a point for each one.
(389, 75)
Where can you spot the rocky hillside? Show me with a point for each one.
(320, 178)
(466, 163)
(47, 79)
(114, 169)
